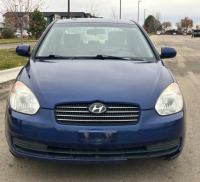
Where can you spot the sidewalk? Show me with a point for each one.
(10, 74)
(8, 46)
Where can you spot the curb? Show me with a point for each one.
(10, 74)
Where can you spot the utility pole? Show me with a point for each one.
(69, 9)
(120, 9)
(144, 14)
(16, 8)
(138, 10)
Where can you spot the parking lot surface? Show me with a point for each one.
(14, 45)
(186, 69)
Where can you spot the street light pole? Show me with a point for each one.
(69, 9)
(16, 8)
(138, 10)
(144, 14)
(120, 9)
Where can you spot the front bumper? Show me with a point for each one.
(42, 129)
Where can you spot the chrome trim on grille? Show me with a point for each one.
(122, 107)
(97, 116)
(121, 111)
(96, 120)
(72, 111)
(79, 114)
(72, 107)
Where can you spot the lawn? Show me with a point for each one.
(9, 59)
(9, 41)
(151, 34)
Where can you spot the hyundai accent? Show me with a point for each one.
(95, 91)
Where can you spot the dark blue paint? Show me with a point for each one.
(57, 82)
(168, 52)
(23, 50)
(43, 128)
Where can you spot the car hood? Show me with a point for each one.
(86, 81)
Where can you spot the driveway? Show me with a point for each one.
(186, 68)
(7, 46)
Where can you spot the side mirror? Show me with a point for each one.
(168, 52)
(23, 50)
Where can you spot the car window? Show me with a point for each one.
(76, 40)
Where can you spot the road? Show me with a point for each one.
(14, 45)
(186, 68)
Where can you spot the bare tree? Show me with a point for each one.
(114, 14)
(197, 27)
(166, 24)
(178, 25)
(94, 10)
(156, 22)
(158, 16)
(186, 23)
(18, 12)
(10, 21)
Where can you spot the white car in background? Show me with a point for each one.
(158, 32)
(25, 33)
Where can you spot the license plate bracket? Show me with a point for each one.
(97, 136)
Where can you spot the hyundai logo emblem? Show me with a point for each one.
(97, 108)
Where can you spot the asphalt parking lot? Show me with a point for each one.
(186, 69)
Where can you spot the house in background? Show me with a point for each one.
(196, 24)
(10, 19)
(51, 16)
(2, 26)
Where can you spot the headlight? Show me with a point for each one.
(23, 100)
(170, 101)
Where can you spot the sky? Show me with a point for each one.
(170, 10)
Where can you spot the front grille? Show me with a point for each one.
(79, 114)
(41, 150)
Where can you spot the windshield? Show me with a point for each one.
(94, 39)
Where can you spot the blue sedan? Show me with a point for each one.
(95, 91)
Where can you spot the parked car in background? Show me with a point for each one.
(95, 90)
(158, 32)
(25, 33)
(196, 34)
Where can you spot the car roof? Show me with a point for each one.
(94, 20)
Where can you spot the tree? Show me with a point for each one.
(186, 23)
(37, 23)
(145, 28)
(166, 24)
(152, 25)
(178, 25)
(8, 33)
(197, 27)
(114, 14)
(94, 10)
(158, 16)
(10, 21)
(19, 11)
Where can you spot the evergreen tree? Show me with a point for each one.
(37, 23)
(152, 25)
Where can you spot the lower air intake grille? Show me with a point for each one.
(79, 114)
(37, 149)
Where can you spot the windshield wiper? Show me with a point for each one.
(96, 57)
(54, 56)
(116, 57)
